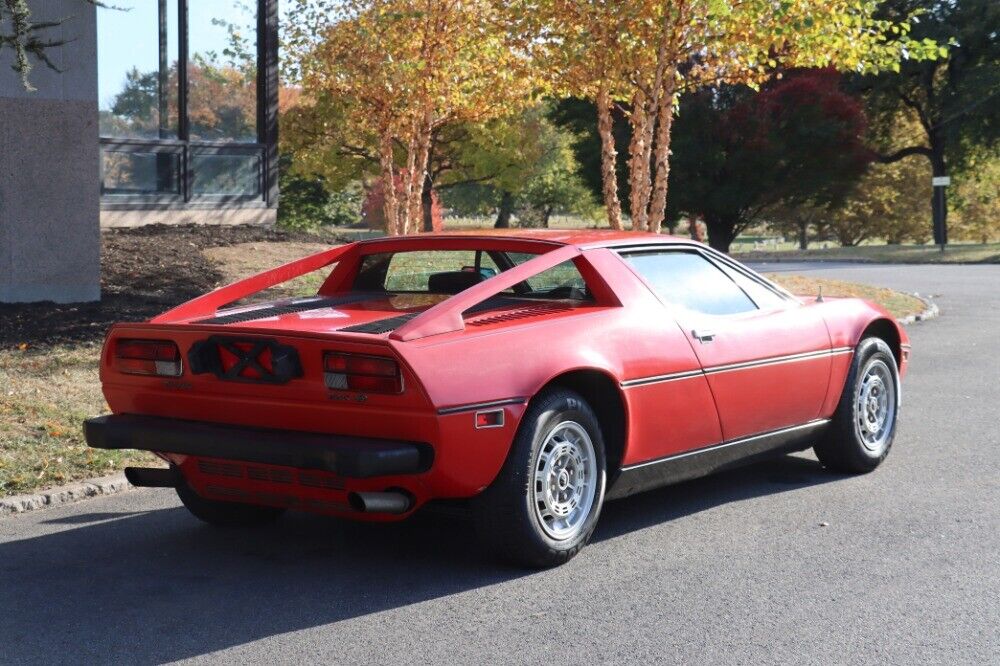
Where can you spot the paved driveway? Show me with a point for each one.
(732, 569)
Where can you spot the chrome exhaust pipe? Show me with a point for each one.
(387, 502)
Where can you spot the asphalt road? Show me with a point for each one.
(777, 563)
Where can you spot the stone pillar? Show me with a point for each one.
(49, 169)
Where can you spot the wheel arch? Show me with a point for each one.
(604, 395)
(887, 330)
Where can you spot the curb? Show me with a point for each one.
(931, 310)
(106, 485)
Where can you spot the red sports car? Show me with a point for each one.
(534, 374)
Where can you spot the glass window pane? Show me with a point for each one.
(689, 280)
(140, 172)
(137, 69)
(214, 174)
(222, 70)
(761, 295)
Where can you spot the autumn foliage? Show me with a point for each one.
(380, 78)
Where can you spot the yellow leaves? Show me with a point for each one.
(23, 346)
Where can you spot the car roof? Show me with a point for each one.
(583, 238)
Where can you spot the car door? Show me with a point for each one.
(766, 357)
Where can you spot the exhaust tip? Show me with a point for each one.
(151, 477)
(390, 501)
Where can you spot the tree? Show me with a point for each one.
(954, 98)
(645, 53)
(395, 72)
(885, 204)
(977, 197)
(739, 154)
(519, 162)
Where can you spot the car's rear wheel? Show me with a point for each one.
(543, 506)
(864, 425)
(226, 514)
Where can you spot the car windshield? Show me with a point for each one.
(453, 271)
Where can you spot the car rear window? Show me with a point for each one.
(452, 271)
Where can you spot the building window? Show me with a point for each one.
(186, 110)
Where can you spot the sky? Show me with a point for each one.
(127, 39)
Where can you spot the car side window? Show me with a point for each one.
(691, 281)
(761, 295)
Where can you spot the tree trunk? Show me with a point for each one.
(420, 150)
(390, 205)
(665, 119)
(406, 206)
(609, 158)
(546, 214)
(427, 204)
(506, 209)
(803, 224)
(720, 232)
(939, 196)
(638, 163)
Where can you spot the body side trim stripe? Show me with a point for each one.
(480, 405)
(656, 379)
(735, 442)
(791, 358)
(774, 360)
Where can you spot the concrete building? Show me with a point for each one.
(165, 113)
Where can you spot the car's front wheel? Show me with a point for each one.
(864, 425)
(543, 506)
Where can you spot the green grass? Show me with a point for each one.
(46, 395)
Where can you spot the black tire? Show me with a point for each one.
(507, 513)
(843, 447)
(226, 514)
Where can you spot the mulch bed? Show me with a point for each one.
(144, 271)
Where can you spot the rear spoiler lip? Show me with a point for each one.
(208, 304)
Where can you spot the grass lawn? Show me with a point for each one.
(971, 253)
(49, 353)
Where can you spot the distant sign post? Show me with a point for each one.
(940, 210)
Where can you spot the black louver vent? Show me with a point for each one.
(392, 323)
(288, 308)
(381, 325)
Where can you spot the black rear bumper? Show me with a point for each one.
(353, 457)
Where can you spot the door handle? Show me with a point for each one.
(703, 335)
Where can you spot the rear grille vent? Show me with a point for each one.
(320, 481)
(520, 313)
(274, 475)
(288, 308)
(220, 469)
(278, 499)
(283, 475)
(381, 325)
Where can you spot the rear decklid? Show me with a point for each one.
(268, 378)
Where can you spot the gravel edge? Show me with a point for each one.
(931, 310)
(116, 483)
(74, 492)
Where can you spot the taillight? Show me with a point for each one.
(355, 372)
(148, 357)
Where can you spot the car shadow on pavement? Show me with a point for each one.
(158, 586)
